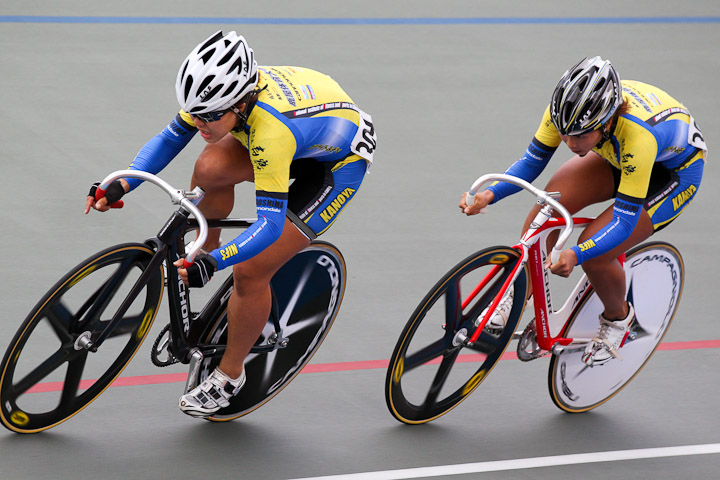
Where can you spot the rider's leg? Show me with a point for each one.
(581, 181)
(218, 169)
(584, 181)
(250, 302)
(604, 272)
(248, 311)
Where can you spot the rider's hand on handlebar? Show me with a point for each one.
(565, 264)
(199, 273)
(482, 200)
(114, 193)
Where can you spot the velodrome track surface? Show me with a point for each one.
(456, 90)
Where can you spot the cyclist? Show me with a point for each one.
(265, 125)
(633, 143)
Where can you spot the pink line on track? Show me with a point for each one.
(332, 367)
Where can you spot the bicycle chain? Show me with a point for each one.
(155, 352)
(529, 338)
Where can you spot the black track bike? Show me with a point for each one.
(89, 325)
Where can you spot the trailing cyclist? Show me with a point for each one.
(633, 143)
(265, 125)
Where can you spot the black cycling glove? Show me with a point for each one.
(114, 192)
(202, 270)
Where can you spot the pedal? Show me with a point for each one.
(196, 359)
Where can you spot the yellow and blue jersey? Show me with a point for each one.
(299, 114)
(654, 128)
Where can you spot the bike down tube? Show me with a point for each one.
(530, 241)
(519, 265)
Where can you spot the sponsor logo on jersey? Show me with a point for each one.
(269, 204)
(286, 90)
(229, 251)
(586, 245)
(308, 92)
(638, 98)
(684, 196)
(336, 204)
(629, 207)
(326, 148)
(628, 169)
(675, 149)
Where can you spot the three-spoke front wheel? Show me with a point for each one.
(47, 375)
(431, 370)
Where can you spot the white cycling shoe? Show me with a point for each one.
(499, 319)
(211, 395)
(611, 335)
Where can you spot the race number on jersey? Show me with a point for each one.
(365, 138)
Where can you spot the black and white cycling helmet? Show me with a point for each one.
(586, 97)
(217, 74)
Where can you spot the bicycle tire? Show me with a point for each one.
(44, 347)
(431, 392)
(575, 387)
(309, 290)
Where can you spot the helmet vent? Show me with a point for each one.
(205, 92)
(188, 85)
(230, 89)
(183, 70)
(207, 56)
(218, 35)
(216, 74)
(209, 95)
(228, 56)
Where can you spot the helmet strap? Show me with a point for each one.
(242, 116)
(607, 133)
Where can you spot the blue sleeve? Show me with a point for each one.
(161, 149)
(271, 208)
(626, 212)
(529, 167)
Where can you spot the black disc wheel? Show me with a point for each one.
(308, 292)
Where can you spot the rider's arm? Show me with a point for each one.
(161, 149)
(538, 154)
(271, 208)
(635, 149)
(626, 212)
(271, 153)
(529, 167)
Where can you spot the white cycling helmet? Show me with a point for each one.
(217, 74)
(586, 97)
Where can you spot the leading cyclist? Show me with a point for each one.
(632, 142)
(265, 125)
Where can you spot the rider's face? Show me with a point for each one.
(211, 132)
(582, 144)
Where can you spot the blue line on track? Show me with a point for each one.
(358, 21)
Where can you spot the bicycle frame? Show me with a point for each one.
(533, 253)
(185, 330)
